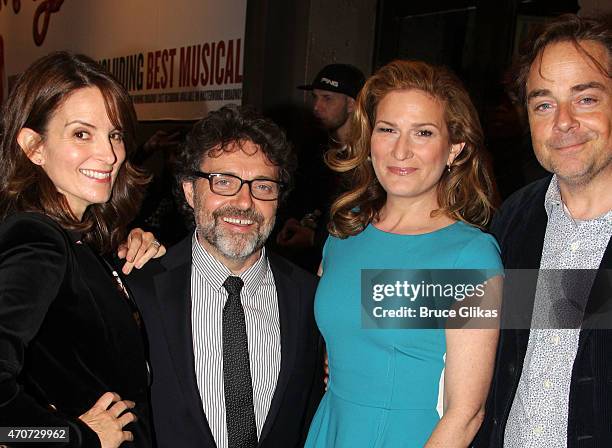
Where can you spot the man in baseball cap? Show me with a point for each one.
(334, 91)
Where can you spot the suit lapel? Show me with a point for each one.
(531, 236)
(289, 314)
(531, 244)
(173, 291)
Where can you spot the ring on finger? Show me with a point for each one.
(156, 243)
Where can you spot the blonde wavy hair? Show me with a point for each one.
(466, 193)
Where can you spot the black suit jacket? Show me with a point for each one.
(520, 227)
(67, 334)
(163, 292)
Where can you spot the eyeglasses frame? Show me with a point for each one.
(210, 176)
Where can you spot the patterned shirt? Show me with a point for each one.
(539, 414)
(260, 303)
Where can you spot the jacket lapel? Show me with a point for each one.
(598, 312)
(530, 242)
(530, 256)
(173, 291)
(289, 314)
(522, 246)
(530, 239)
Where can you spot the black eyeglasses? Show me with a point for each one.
(229, 185)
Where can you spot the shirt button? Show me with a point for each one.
(538, 430)
(547, 384)
(555, 339)
(574, 246)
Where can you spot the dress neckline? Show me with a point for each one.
(416, 235)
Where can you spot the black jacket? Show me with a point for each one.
(163, 292)
(67, 333)
(520, 227)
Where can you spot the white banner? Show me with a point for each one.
(179, 59)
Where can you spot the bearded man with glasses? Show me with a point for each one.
(235, 354)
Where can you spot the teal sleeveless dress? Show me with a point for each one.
(385, 386)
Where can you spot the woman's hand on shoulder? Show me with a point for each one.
(107, 417)
(138, 249)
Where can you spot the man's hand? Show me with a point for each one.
(139, 248)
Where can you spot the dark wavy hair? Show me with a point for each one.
(25, 186)
(218, 131)
(466, 193)
(565, 28)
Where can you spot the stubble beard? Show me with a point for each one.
(590, 167)
(234, 246)
(332, 124)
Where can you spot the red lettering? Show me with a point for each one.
(164, 78)
(212, 63)
(140, 65)
(195, 65)
(219, 72)
(150, 58)
(172, 54)
(229, 63)
(184, 62)
(205, 55)
(157, 58)
(16, 5)
(45, 9)
(238, 75)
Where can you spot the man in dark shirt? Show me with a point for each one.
(333, 94)
(552, 383)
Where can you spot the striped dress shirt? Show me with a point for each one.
(260, 303)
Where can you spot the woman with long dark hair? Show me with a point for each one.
(71, 351)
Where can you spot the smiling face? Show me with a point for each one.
(233, 228)
(81, 150)
(569, 104)
(409, 145)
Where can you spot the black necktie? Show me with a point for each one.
(237, 385)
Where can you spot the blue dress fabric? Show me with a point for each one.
(384, 386)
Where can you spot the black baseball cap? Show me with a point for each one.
(341, 78)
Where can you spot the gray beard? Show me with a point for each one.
(235, 246)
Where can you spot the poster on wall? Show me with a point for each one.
(178, 59)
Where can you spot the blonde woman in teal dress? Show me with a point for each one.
(420, 195)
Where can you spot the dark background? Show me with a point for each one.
(288, 41)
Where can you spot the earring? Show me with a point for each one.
(369, 159)
(448, 167)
